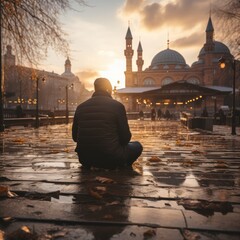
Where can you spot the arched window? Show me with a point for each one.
(193, 80)
(166, 81)
(149, 82)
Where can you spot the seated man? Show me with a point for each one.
(101, 130)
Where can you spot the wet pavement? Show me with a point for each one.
(185, 185)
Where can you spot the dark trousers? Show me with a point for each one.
(134, 151)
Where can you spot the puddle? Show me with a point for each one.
(63, 199)
(52, 165)
(190, 181)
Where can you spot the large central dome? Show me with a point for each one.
(168, 56)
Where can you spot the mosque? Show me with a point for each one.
(169, 81)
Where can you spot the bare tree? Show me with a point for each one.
(31, 26)
(228, 14)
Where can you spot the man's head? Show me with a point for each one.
(103, 84)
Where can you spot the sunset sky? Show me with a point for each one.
(97, 34)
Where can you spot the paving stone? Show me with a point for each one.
(192, 191)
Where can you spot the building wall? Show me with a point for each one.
(20, 87)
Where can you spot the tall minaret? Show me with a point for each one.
(208, 56)
(139, 61)
(209, 45)
(128, 52)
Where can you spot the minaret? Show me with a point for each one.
(139, 57)
(128, 52)
(209, 45)
(68, 66)
(208, 56)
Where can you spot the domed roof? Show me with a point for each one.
(168, 56)
(219, 47)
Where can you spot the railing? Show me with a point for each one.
(31, 121)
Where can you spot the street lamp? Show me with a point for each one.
(67, 112)
(37, 78)
(222, 62)
(1, 77)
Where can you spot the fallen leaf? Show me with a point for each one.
(22, 233)
(113, 203)
(190, 235)
(25, 229)
(3, 191)
(104, 180)
(221, 165)
(94, 194)
(59, 234)
(19, 140)
(196, 152)
(154, 159)
(101, 189)
(1, 235)
(7, 219)
(149, 233)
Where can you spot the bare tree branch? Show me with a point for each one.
(31, 26)
(228, 15)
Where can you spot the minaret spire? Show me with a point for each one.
(168, 40)
(139, 57)
(128, 52)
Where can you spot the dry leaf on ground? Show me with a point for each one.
(94, 194)
(149, 233)
(104, 180)
(154, 159)
(5, 192)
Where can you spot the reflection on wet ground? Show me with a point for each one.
(186, 185)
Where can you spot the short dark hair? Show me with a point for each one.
(102, 84)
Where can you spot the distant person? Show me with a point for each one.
(205, 112)
(222, 117)
(159, 113)
(19, 111)
(101, 131)
(167, 114)
(141, 115)
(153, 114)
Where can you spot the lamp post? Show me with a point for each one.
(67, 112)
(222, 61)
(37, 78)
(1, 77)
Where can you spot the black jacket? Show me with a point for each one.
(101, 130)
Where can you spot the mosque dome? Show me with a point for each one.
(168, 56)
(219, 47)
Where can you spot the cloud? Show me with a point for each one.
(193, 40)
(184, 14)
(87, 77)
(131, 6)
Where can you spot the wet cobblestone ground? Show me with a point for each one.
(186, 185)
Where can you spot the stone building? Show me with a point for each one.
(20, 86)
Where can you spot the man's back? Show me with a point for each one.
(100, 128)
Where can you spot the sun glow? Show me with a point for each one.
(115, 73)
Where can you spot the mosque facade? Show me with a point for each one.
(169, 66)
